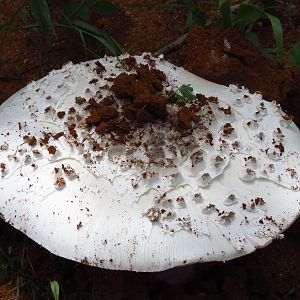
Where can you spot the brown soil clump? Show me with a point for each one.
(138, 98)
(52, 150)
(226, 57)
(140, 94)
(117, 126)
(186, 117)
(152, 77)
(99, 68)
(102, 114)
(129, 63)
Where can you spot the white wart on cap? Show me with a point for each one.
(116, 171)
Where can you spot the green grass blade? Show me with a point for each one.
(294, 57)
(55, 289)
(111, 44)
(41, 13)
(250, 13)
(24, 27)
(88, 27)
(247, 14)
(83, 42)
(11, 19)
(85, 13)
(83, 28)
(226, 14)
(278, 32)
(22, 15)
(108, 43)
(272, 54)
(194, 18)
(253, 38)
(71, 10)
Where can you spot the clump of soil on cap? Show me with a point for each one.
(138, 99)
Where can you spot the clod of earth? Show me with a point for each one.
(106, 164)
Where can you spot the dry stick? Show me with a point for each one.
(172, 46)
(177, 43)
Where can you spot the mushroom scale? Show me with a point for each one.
(87, 184)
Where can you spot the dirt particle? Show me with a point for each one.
(80, 100)
(52, 150)
(185, 118)
(79, 225)
(61, 114)
(94, 80)
(30, 140)
(72, 110)
(99, 67)
(58, 135)
(129, 63)
(60, 183)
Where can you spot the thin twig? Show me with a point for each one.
(172, 46)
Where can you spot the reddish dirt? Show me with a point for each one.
(270, 273)
(6, 292)
(227, 57)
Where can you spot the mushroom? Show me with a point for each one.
(92, 166)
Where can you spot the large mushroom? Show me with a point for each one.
(135, 164)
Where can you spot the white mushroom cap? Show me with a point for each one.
(214, 202)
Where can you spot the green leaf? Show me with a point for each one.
(255, 12)
(55, 289)
(85, 13)
(22, 15)
(246, 15)
(83, 42)
(105, 8)
(249, 13)
(278, 31)
(269, 50)
(272, 54)
(88, 27)
(278, 35)
(194, 18)
(71, 9)
(294, 57)
(226, 14)
(185, 93)
(111, 44)
(41, 13)
(253, 38)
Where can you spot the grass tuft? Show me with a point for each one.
(75, 18)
